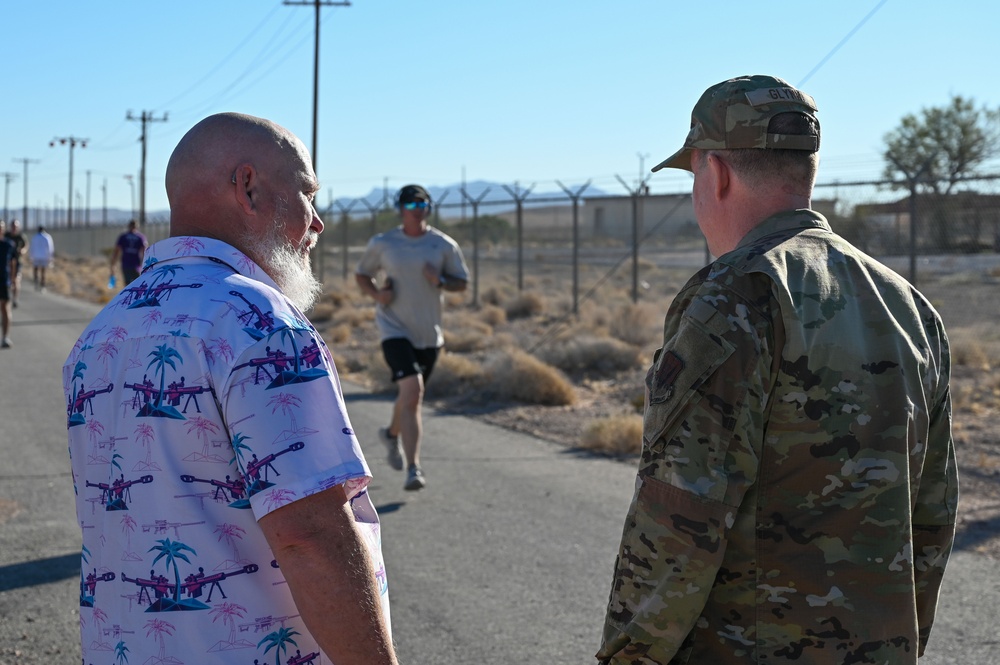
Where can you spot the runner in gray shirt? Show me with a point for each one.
(419, 262)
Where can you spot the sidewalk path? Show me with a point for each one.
(505, 557)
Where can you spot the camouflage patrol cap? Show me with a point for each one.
(735, 114)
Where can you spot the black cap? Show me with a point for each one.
(412, 193)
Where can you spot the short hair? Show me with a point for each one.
(758, 167)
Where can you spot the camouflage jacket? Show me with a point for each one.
(797, 490)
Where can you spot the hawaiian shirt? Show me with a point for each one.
(199, 400)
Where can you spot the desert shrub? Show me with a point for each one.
(453, 375)
(634, 324)
(513, 374)
(337, 334)
(594, 316)
(591, 356)
(526, 305)
(492, 315)
(466, 334)
(618, 435)
(353, 315)
(492, 296)
(968, 349)
(321, 312)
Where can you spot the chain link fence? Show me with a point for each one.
(524, 241)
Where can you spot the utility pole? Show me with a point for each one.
(316, 4)
(72, 141)
(145, 118)
(26, 161)
(7, 177)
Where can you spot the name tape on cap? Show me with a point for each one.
(772, 95)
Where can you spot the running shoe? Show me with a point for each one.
(394, 447)
(414, 479)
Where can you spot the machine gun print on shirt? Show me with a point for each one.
(255, 474)
(167, 596)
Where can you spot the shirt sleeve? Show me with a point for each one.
(702, 435)
(371, 260)
(936, 506)
(454, 263)
(288, 422)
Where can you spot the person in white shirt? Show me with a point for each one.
(419, 262)
(41, 250)
(203, 404)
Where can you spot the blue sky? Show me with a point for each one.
(514, 91)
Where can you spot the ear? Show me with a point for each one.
(721, 175)
(244, 185)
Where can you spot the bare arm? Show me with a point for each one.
(443, 281)
(329, 572)
(383, 296)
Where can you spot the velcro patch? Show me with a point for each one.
(772, 95)
(670, 368)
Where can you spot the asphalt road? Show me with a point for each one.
(504, 558)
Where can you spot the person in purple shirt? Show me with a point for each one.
(131, 246)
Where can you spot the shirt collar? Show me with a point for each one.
(786, 223)
(198, 247)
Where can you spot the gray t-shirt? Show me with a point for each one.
(415, 312)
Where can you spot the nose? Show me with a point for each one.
(317, 221)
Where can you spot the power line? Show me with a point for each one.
(227, 58)
(841, 43)
(244, 81)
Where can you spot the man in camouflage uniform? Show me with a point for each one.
(797, 490)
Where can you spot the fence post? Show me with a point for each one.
(437, 208)
(475, 241)
(912, 180)
(635, 194)
(345, 223)
(373, 209)
(519, 200)
(575, 197)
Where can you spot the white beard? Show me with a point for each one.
(288, 266)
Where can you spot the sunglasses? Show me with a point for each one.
(416, 205)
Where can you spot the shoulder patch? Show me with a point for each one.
(669, 369)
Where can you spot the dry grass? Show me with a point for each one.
(974, 346)
(464, 332)
(585, 355)
(514, 375)
(618, 435)
(455, 374)
(526, 305)
(492, 315)
(637, 324)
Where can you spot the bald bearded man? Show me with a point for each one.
(229, 425)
